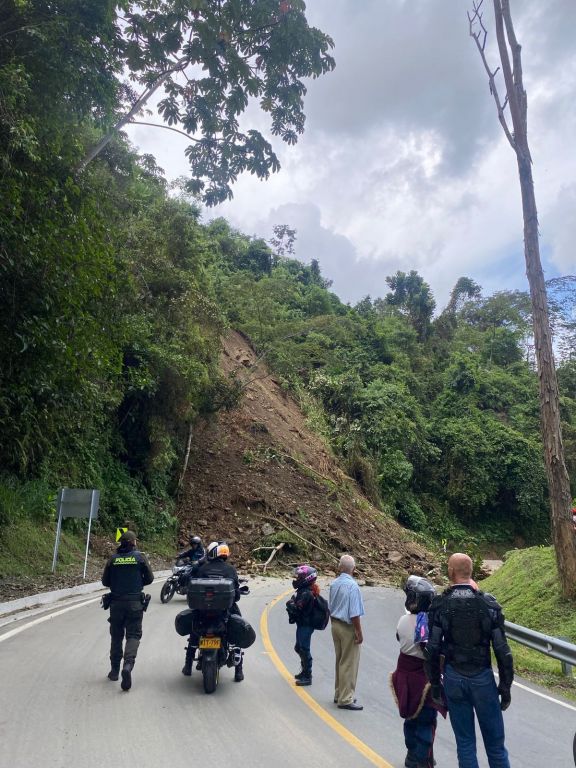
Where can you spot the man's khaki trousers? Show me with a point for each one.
(347, 660)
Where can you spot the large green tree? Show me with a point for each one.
(209, 59)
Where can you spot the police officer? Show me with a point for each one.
(126, 573)
(463, 624)
(217, 566)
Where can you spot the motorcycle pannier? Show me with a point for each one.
(183, 623)
(211, 594)
(240, 632)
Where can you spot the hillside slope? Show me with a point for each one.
(258, 476)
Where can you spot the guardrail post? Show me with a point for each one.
(566, 668)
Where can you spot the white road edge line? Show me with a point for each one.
(41, 619)
(545, 696)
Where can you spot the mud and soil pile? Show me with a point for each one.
(258, 477)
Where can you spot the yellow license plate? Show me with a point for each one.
(210, 642)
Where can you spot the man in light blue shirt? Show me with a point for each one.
(346, 607)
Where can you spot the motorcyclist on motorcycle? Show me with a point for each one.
(216, 566)
(195, 554)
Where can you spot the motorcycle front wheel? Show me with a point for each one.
(210, 674)
(167, 591)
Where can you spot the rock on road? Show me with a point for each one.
(58, 710)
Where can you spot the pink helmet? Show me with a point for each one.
(304, 574)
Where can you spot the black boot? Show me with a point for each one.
(114, 673)
(412, 762)
(126, 683)
(114, 667)
(303, 665)
(187, 668)
(306, 678)
(239, 672)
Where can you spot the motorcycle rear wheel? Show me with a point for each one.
(167, 591)
(210, 674)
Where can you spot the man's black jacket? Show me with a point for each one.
(219, 569)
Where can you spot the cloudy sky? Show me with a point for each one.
(403, 164)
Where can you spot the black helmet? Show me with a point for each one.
(419, 594)
(195, 541)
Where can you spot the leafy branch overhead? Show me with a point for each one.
(211, 58)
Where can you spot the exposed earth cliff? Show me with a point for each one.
(258, 476)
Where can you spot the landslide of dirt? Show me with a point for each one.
(258, 476)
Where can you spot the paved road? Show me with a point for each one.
(58, 710)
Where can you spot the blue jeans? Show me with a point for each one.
(478, 695)
(419, 734)
(302, 647)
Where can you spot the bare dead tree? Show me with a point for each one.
(516, 101)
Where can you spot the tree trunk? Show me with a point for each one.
(127, 118)
(558, 481)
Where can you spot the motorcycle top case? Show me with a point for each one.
(210, 594)
(183, 623)
(240, 632)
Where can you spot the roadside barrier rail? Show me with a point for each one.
(554, 647)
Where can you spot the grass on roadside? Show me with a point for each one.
(27, 548)
(527, 588)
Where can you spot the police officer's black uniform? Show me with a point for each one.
(126, 573)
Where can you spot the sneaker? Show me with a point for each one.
(304, 681)
(113, 675)
(126, 683)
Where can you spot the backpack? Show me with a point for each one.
(320, 614)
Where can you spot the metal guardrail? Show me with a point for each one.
(554, 647)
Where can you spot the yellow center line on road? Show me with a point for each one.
(330, 721)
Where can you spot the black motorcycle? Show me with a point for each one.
(177, 582)
(217, 637)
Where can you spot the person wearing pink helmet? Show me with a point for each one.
(300, 609)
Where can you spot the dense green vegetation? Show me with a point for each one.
(114, 295)
(436, 418)
(528, 589)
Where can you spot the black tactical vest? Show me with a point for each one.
(126, 577)
(467, 628)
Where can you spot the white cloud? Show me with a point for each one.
(403, 164)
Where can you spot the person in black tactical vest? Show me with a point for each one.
(126, 573)
(216, 566)
(464, 623)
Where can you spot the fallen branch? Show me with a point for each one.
(277, 549)
(310, 543)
